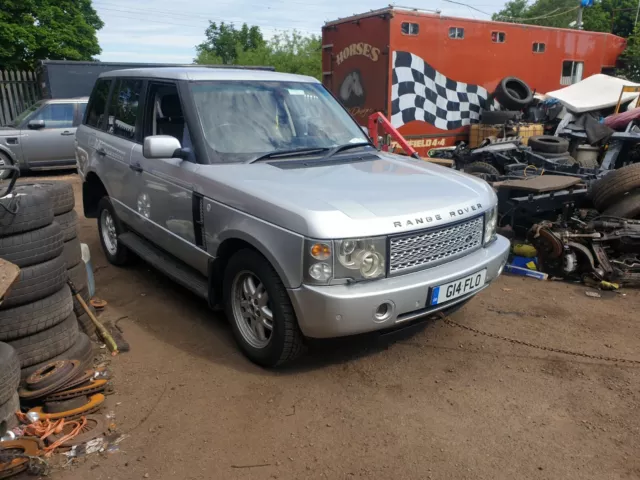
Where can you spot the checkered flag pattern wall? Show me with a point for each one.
(419, 92)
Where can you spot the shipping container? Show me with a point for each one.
(432, 75)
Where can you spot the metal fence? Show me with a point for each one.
(18, 91)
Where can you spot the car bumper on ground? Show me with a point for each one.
(341, 310)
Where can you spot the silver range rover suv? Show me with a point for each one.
(258, 191)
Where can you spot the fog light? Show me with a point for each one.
(383, 312)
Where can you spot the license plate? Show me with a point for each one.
(458, 288)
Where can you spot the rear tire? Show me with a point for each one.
(481, 170)
(109, 228)
(627, 207)
(615, 185)
(278, 344)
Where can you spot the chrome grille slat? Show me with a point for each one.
(427, 248)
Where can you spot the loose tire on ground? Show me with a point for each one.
(8, 418)
(37, 246)
(23, 210)
(61, 193)
(121, 256)
(498, 117)
(606, 191)
(81, 350)
(513, 93)
(78, 275)
(36, 316)
(626, 207)
(286, 341)
(9, 372)
(72, 253)
(69, 224)
(36, 282)
(47, 344)
(548, 144)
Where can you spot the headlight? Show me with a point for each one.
(490, 225)
(356, 259)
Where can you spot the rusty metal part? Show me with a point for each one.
(27, 394)
(586, 254)
(65, 405)
(93, 404)
(14, 455)
(49, 374)
(98, 303)
(96, 425)
(90, 388)
(548, 244)
(603, 259)
(76, 382)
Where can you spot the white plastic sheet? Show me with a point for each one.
(593, 93)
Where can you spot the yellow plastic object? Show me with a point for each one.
(527, 251)
(478, 132)
(609, 286)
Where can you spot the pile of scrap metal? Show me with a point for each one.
(62, 399)
(606, 249)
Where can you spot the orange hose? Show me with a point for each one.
(45, 428)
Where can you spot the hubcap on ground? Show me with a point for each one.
(251, 309)
(109, 235)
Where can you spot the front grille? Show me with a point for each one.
(426, 249)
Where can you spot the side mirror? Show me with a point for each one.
(36, 124)
(161, 146)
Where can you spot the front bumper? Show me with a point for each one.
(341, 310)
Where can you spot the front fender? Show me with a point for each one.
(10, 153)
(281, 247)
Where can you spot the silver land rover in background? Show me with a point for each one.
(257, 191)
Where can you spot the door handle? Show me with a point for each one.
(101, 152)
(66, 134)
(135, 167)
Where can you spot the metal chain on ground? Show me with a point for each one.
(451, 323)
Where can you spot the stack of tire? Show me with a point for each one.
(618, 193)
(64, 214)
(552, 148)
(9, 382)
(513, 95)
(37, 314)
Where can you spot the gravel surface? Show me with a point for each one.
(441, 403)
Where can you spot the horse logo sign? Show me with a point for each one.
(352, 92)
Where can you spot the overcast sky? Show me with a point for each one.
(168, 31)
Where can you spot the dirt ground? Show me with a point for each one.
(441, 404)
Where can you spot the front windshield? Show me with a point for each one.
(242, 120)
(20, 118)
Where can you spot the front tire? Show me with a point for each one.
(109, 228)
(260, 311)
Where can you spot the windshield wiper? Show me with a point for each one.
(289, 153)
(346, 146)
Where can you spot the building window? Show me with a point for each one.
(456, 33)
(539, 47)
(410, 28)
(498, 37)
(571, 72)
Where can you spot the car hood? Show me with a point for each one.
(378, 195)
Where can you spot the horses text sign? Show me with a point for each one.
(360, 48)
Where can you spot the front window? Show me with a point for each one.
(56, 115)
(243, 120)
(23, 116)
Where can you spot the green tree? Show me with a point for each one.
(224, 41)
(32, 30)
(287, 52)
(631, 57)
(561, 13)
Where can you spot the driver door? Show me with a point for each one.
(51, 145)
(165, 185)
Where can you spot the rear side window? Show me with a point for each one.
(456, 33)
(539, 47)
(123, 111)
(410, 28)
(98, 104)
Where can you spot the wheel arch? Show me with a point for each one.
(232, 242)
(93, 189)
